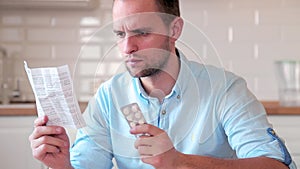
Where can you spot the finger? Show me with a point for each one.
(41, 151)
(46, 130)
(146, 128)
(155, 145)
(49, 140)
(161, 140)
(41, 121)
(145, 151)
(148, 146)
(142, 141)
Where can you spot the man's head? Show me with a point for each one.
(170, 7)
(147, 34)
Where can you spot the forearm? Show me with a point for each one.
(199, 162)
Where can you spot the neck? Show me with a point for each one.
(162, 83)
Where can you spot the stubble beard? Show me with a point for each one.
(155, 68)
(149, 70)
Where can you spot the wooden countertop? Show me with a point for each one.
(28, 109)
(18, 110)
(272, 108)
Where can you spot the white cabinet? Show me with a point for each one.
(15, 151)
(287, 127)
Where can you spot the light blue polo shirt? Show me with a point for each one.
(209, 112)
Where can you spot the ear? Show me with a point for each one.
(176, 27)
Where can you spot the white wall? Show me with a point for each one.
(248, 35)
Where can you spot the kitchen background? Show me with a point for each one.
(248, 35)
(243, 36)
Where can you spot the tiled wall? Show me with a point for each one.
(243, 36)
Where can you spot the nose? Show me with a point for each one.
(129, 45)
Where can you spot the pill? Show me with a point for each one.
(141, 121)
(132, 124)
(129, 117)
(133, 114)
(126, 111)
(138, 115)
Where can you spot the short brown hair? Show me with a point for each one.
(169, 6)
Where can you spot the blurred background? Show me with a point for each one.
(246, 37)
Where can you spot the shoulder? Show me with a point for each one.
(113, 87)
(116, 82)
(109, 91)
(216, 76)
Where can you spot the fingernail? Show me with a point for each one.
(132, 130)
(44, 119)
(58, 129)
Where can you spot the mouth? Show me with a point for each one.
(133, 61)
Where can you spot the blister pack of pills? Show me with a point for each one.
(133, 114)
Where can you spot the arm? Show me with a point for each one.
(92, 147)
(50, 145)
(193, 162)
(157, 150)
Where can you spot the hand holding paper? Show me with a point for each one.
(55, 96)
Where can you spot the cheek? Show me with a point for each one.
(121, 47)
(145, 44)
(155, 41)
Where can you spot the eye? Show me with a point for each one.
(142, 33)
(120, 34)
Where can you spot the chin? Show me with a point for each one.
(145, 73)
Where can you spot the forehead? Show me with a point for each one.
(137, 20)
(124, 8)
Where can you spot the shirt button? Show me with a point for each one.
(163, 112)
(178, 96)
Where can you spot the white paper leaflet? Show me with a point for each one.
(54, 95)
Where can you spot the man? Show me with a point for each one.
(197, 116)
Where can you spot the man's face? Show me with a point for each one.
(143, 36)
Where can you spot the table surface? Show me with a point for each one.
(29, 109)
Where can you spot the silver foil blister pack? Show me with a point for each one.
(133, 114)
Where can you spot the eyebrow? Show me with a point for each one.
(116, 31)
(147, 29)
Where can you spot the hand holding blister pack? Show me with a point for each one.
(155, 144)
(133, 115)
